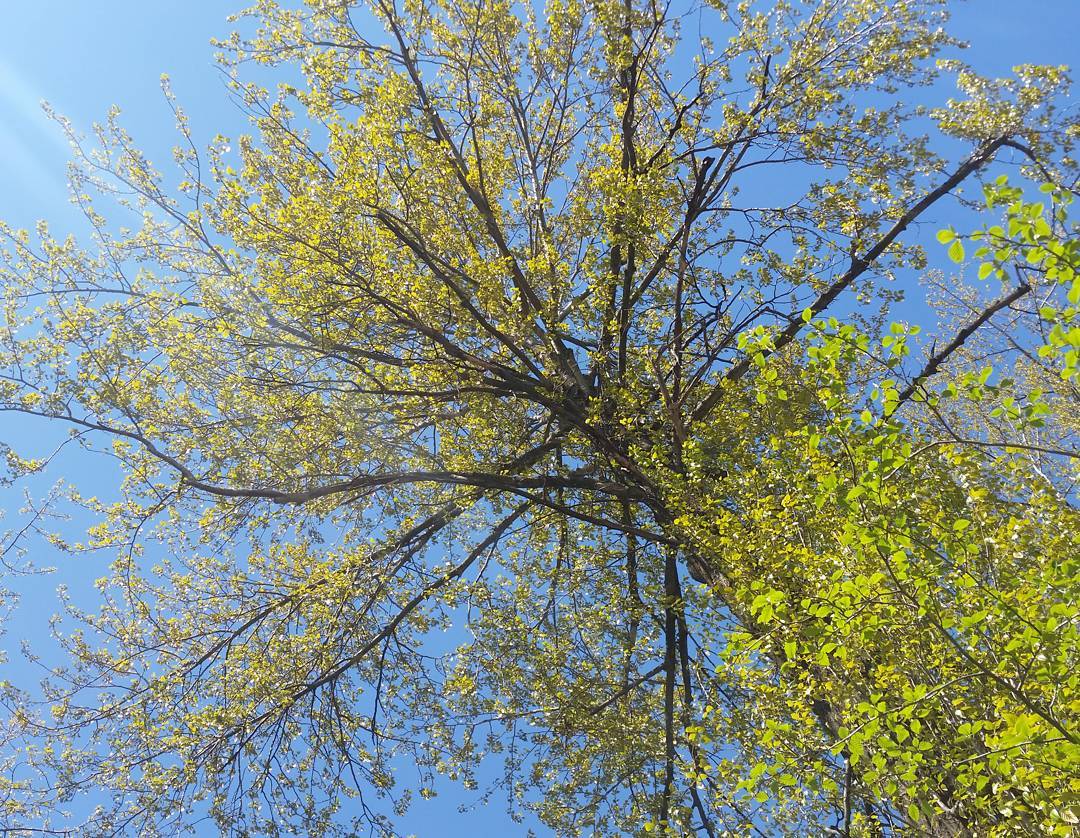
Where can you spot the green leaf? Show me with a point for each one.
(947, 235)
(956, 251)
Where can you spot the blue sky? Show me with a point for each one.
(85, 56)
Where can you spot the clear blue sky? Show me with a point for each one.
(85, 56)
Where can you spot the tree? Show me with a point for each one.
(569, 332)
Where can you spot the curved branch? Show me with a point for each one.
(934, 362)
(859, 265)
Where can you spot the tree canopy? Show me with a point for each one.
(535, 386)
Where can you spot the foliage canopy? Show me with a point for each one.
(567, 330)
